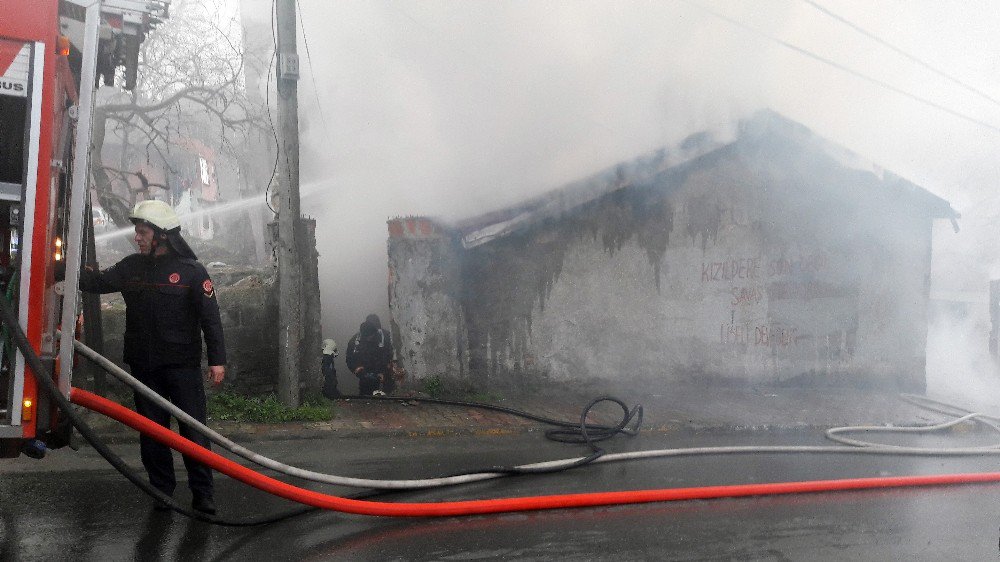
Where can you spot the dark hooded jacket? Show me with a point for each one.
(370, 348)
(179, 245)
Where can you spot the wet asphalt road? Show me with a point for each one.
(72, 506)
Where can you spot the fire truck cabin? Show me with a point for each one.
(41, 43)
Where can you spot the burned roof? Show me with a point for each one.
(763, 126)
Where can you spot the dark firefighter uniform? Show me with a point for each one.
(369, 357)
(170, 302)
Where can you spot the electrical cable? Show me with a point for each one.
(501, 505)
(843, 68)
(282, 148)
(312, 73)
(899, 51)
(267, 105)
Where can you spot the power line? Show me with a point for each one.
(267, 104)
(312, 73)
(899, 51)
(843, 68)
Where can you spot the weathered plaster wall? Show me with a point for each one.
(424, 290)
(792, 270)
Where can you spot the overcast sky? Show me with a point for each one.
(454, 108)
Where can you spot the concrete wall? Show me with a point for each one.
(755, 264)
(428, 326)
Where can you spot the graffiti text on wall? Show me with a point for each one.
(756, 268)
(747, 295)
(796, 279)
(743, 268)
(806, 265)
(764, 336)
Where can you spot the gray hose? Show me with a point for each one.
(261, 460)
(854, 446)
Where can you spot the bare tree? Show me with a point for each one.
(190, 86)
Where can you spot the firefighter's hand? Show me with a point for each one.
(358, 370)
(216, 373)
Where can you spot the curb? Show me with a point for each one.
(296, 431)
(368, 418)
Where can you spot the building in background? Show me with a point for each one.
(758, 255)
(195, 188)
(186, 178)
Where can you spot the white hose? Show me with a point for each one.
(261, 460)
(855, 446)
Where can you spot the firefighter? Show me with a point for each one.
(330, 353)
(170, 302)
(369, 357)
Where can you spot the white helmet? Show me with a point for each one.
(330, 347)
(155, 213)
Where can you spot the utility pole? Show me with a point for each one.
(289, 299)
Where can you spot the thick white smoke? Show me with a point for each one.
(453, 108)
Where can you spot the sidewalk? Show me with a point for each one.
(685, 408)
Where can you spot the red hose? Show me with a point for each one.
(473, 507)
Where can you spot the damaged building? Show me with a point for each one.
(761, 255)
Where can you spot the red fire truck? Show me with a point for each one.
(52, 55)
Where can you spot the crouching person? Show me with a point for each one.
(369, 357)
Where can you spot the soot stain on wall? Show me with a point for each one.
(504, 279)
